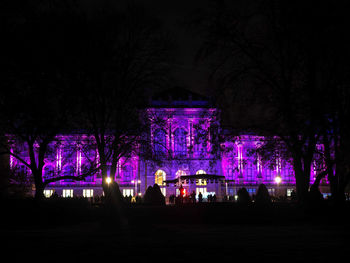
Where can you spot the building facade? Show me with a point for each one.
(189, 149)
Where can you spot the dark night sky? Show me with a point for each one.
(172, 14)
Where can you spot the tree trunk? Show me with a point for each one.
(39, 185)
(302, 187)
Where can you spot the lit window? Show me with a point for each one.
(202, 190)
(67, 193)
(48, 193)
(289, 192)
(201, 182)
(200, 172)
(88, 193)
(163, 190)
(128, 192)
(271, 191)
(160, 177)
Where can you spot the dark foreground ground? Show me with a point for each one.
(66, 230)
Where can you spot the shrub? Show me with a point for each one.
(263, 196)
(154, 196)
(243, 196)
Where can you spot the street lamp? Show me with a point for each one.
(278, 180)
(108, 180)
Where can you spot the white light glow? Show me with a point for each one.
(278, 179)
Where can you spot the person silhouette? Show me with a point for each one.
(200, 197)
(193, 197)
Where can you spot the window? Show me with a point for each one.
(201, 182)
(88, 193)
(268, 174)
(127, 173)
(249, 173)
(231, 192)
(159, 142)
(288, 174)
(180, 148)
(251, 191)
(200, 142)
(48, 193)
(229, 172)
(271, 191)
(128, 192)
(202, 190)
(67, 193)
(163, 190)
(160, 177)
(289, 192)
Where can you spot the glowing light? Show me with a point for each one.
(201, 182)
(108, 180)
(278, 179)
(200, 172)
(160, 177)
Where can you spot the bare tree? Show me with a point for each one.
(272, 50)
(127, 56)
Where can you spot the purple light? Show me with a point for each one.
(235, 164)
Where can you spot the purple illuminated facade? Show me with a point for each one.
(190, 149)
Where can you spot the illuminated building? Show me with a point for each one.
(190, 149)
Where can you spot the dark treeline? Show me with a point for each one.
(81, 66)
(87, 66)
(281, 68)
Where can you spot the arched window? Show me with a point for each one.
(200, 172)
(127, 173)
(180, 148)
(180, 173)
(159, 142)
(160, 177)
(200, 142)
(49, 172)
(249, 172)
(268, 174)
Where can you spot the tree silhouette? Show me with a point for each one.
(276, 52)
